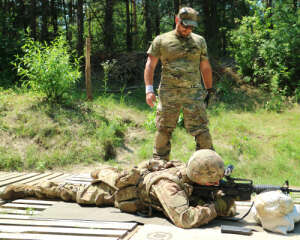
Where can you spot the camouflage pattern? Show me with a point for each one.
(168, 190)
(180, 57)
(180, 89)
(188, 16)
(205, 166)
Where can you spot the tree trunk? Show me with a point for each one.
(88, 81)
(66, 21)
(80, 42)
(33, 16)
(54, 9)
(45, 16)
(210, 22)
(109, 26)
(134, 23)
(128, 28)
(176, 10)
(71, 19)
(147, 16)
(157, 18)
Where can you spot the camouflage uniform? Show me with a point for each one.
(180, 88)
(167, 190)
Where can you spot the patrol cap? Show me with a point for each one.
(188, 16)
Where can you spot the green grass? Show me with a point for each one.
(35, 135)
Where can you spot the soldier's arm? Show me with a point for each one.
(175, 203)
(206, 72)
(148, 78)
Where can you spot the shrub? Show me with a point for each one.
(265, 47)
(47, 69)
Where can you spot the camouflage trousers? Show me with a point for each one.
(171, 102)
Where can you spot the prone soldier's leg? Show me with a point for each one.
(44, 190)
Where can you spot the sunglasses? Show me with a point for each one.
(187, 27)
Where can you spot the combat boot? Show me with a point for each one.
(17, 191)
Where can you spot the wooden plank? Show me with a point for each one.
(24, 206)
(80, 179)
(13, 216)
(77, 182)
(72, 224)
(33, 201)
(84, 223)
(18, 211)
(10, 176)
(62, 177)
(17, 179)
(28, 236)
(4, 174)
(62, 230)
(83, 175)
(47, 178)
(38, 177)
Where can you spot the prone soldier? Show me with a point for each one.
(169, 190)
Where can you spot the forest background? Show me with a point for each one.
(254, 49)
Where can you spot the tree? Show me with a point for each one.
(80, 29)
(128, 27)
(45, 18)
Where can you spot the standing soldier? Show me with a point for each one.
(184, 59)
(139, 190)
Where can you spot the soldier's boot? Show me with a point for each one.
(162, 145)
(204, 141)
(17, 191)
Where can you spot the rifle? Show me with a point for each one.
(238, 188)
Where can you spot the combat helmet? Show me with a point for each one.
(205, 166)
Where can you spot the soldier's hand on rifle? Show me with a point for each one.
(224, 205)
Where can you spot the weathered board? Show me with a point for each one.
(19, 219)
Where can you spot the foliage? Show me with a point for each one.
(265, 46)
(47, 69)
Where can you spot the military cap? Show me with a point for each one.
(188, 16)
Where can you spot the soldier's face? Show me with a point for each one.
(183, 30)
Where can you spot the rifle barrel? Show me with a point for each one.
(266, 188)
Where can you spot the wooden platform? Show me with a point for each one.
(19, 219)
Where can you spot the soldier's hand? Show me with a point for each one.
(150, 99)
(224, 206)
(210, 94)
(155, 165)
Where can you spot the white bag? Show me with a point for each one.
(276, 212)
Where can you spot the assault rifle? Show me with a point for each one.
(237, 188)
